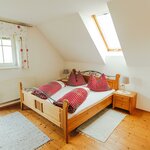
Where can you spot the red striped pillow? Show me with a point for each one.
(75, 98)
(48, 89)
(98, 85)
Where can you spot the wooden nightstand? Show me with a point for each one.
(125, 100)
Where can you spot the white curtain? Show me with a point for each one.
(20, 34)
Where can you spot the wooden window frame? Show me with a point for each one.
(102, 35)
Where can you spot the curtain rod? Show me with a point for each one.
(15, 22)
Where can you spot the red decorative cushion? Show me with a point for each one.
(76, 79)
(75, 98)
(98, 85)
(48, 90)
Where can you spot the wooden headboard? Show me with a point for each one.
(113, 81)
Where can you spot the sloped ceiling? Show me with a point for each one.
(131, 19)
(38, 11)
(60, 22)
(70, 37)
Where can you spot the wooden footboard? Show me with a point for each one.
(57, 115)
(42, 107)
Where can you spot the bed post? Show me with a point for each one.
(21, 96)
(65, 120)
(117, 79)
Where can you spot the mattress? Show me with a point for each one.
(93, 97)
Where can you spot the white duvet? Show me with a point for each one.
(93, 97)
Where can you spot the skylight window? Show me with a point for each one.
(107, 30)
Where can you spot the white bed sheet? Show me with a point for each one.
(93, 97)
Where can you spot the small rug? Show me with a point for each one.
(102, 125)
(18, 133)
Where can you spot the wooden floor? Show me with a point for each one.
(133, 133)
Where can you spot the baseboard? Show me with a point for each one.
(9, 103)
(143, 110)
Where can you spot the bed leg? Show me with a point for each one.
(65, 120)
(21, 105)
(21, 96)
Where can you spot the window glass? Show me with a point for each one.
(8, 56)
(7, 52)
(6, 41)
(107, 30)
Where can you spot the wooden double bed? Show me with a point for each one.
(59, 116)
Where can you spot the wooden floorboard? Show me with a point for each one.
(133, 133)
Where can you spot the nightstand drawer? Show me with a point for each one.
(121, 102)
(121, 98)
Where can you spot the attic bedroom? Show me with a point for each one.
(74, 75)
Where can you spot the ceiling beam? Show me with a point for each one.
(14, 22)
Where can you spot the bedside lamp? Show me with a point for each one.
(124, 81)
(65, 73)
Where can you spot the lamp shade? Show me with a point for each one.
(65, 71)
(125, 80)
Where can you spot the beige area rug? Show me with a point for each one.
(18, 133)
(102, 125)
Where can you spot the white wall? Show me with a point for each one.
(114, 65)
(45, 65)
(133, 28)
